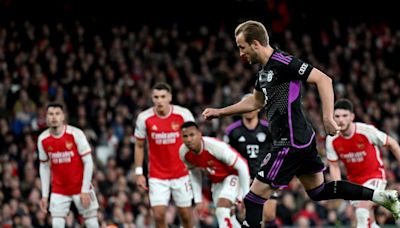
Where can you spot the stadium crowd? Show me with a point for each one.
(104, 78)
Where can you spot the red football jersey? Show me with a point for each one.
(164, 139)
(216, 157)
(359, 153)
(64, 153)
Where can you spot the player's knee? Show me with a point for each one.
(159, 216)
(317, 194)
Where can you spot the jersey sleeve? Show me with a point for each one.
(182, 152)
(330, 150)
(187, 115)
(82, 142)
(140, 129)
(376, 136)
(221, 151)
(298, 70)
(42, 154)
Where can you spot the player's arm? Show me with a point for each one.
(196, 180)
(248, 104)
(326, 94)
(84, 150)
(333, 159)
(87, 172)
(87, 179)
(334, 170)
(194, 175)
(393, 146)
(44, 172)
(244, 175)
(139, 156)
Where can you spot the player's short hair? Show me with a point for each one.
(253, 30)
(188, 124)
(344, 104)
(55, 105)
(162, 86)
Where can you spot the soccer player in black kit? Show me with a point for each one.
(294, 153)
(250, 137)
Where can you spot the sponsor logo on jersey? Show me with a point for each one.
(154, 128)
(261, 173)
(303, 68)
(165, 137)
(242, 139)
(61, 157)
(354, 157)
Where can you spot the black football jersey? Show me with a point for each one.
(280, 80)
(252, 144)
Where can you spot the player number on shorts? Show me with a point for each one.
(233, 182)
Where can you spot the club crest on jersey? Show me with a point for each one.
(261, 136)
(270, 75)
(69, 145)
(49, 148)
(175, 126)
(360, 145)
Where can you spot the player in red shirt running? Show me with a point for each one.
(224, 166)
(357, 147)
(161, 124)
(66, 160)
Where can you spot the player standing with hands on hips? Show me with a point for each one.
(66, 162)
(294, 152)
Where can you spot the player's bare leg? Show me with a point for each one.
(186, 217)
(269, 213)
(159, 216)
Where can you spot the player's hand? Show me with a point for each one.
(43, 204)
(211, 113)
(85, 199)
(141, 182)
(331, 127)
